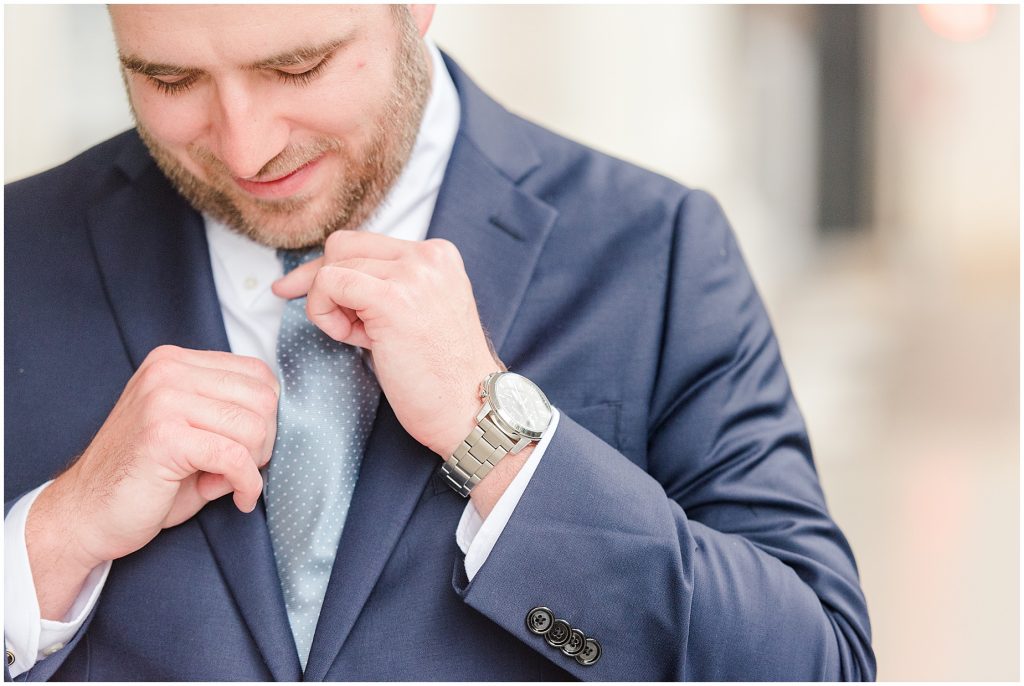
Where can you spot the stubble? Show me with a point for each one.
(368, 174)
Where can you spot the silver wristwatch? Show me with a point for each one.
(515, 413)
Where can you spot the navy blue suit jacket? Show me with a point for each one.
(676, 516)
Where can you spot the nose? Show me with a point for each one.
(246, 131)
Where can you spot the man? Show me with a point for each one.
(278, 511)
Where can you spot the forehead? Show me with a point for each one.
(209, 34)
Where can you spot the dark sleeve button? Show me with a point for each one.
(590, 654)
(539, 620)
(558, 634)
(575, 643)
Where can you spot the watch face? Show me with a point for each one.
(521, 404)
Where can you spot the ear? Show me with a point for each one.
(422, 15)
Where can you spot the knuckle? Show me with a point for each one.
(234, 416)
(256, 367)
(259, 434)
(160, 371)
(430, 250)
(264, 459)
(322, 280)
(333, 242)
(252, 427)
(160, 402)
(163, 352)
(441, 250)
(265, 399)
(354, 263)
(269, 380)
(421, 271)
(342, 282)
(234, 457)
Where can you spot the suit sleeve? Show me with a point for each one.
(719, 561)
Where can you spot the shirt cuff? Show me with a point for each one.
(26, 635)
(475, 536)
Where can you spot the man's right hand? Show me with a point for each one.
(190, 427)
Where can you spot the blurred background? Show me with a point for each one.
(868, 158)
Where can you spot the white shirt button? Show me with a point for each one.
(250, 283)
(52, 649)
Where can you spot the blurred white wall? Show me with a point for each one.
(62, 89)
(948, 187)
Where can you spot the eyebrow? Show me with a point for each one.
(288, 58)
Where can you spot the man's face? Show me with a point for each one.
(285, 122)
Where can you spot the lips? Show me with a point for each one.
(282, 186)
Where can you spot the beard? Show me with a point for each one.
(368, 173)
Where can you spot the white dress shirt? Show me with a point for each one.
(243, 272)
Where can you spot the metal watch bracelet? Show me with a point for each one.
(479, 452)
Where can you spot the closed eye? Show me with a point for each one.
(180, 84)
(306, 74)
(173, 84)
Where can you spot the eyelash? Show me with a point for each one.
(305, 77)
(300, 79)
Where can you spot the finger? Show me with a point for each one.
(238, 389)
(338, 287)
(296, 283)
(211, 486)
(357, 336)
(357, 331)
(343, 245)
(382, 269)
(231, 421)
(183, 385)
(220, 384)
(171, 357)
(213, 453)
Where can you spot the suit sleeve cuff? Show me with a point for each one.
(475, 536)
(26, 635)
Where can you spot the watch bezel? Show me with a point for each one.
(506, 424)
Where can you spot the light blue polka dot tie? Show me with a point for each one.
(328, 403)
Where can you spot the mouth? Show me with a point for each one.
(282, 186)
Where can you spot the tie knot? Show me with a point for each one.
(293, 258)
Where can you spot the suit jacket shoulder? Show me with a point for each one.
(69, 187)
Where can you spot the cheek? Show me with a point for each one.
(346, 104)
(173, 121)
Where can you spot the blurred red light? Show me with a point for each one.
(958, 23)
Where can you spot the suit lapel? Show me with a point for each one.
(500, 231)
(241, 545)
(155, 264)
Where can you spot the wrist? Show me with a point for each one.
(53, 527)
(514, 415)
(485, 495)
(58, 563)
(462, 415)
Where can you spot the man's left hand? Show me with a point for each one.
(411, 304)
